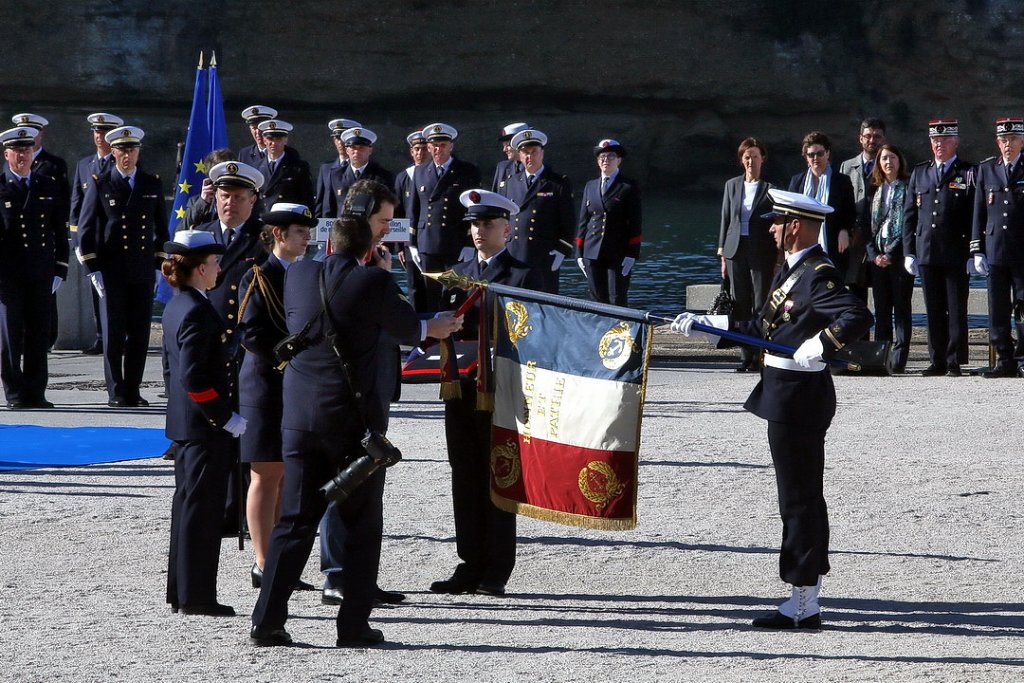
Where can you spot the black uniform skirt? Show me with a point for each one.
(259, 398)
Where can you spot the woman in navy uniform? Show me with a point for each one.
(200, 421)
(485, 536)
(262, 326)
(33, 263)
(121, 229)
(610, 227)
(811, 310)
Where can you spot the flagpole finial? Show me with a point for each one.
(200, 59)
(450, 278)
(213, 58)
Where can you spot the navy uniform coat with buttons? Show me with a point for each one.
(545, 221)
(799, 406)
(259, 380)
(244, 251)
(86, 168)
(321, 428)
(33, 249)
(503, 172)
(54, 166)
(324, 191)
(199, 404)
(937, 218)
(610, 227)
(485, 536)
(439, 230)
(290, 182)
(341, 179)
(121, 232)
(252, 155)
(998, 233)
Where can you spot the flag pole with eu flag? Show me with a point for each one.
(215, 110)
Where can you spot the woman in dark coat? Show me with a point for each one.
(261, 316)
(200, 421)
(745, 245)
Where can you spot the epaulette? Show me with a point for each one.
(824, 264)
(985, 161)
(923, 163)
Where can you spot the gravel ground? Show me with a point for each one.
(923, 479)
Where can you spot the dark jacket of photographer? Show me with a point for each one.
(316, 396)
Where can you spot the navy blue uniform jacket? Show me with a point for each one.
(438, 226)
(503, 269)
(998, 230)
(937, 217)
(33, 230)
(244, 251)
(194, 364)
(545, 219)
(290, 181)
(122, 230)
(342, 178)
(610, 227)
(316, 396)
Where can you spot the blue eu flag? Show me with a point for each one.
(198, 144)
(215, 111)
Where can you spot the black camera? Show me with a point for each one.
(291, 346)
(379, 453)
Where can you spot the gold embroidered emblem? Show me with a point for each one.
(356, 132)
(505, 465)
(272, 125)
(517, 321)
(598, 483)
(830, 285)
(232, 168)
(616, 346)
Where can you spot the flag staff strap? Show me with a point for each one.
(452, 279)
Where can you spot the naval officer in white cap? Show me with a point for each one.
(811, 310)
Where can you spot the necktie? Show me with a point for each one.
(531, 178)
(604, 184)
(229, 235)
(939, 172)
(868, 167)
(24, 184)
(1009, 172)
(440, 171)
(358, 174)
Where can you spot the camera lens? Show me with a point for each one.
(349, 479)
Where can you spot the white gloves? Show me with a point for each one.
(627, 265)
(415, 254)
(910, 265)
(57, 280)
(557, 258)
(467, 253)
(235, 426)
(981, 264)
(684, 324)
(583, 268)
(97, 283)
(809, 352)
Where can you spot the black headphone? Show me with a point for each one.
(361, 205)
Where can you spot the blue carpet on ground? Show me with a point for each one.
(25, 447)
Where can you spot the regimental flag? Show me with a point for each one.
(569, 395)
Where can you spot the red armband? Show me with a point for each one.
(203, 396)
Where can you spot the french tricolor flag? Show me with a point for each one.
(568, 400)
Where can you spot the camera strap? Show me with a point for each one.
(339, 345)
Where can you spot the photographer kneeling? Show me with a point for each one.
(323, 425)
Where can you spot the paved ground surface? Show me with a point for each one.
(924, 480)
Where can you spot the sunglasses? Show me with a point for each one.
(815, 155)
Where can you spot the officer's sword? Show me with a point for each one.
(450, 278)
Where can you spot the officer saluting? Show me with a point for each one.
(33, 263)
(122, 228)
(809, 309)
(997, 243)
(936, 233)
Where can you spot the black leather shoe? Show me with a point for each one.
(331, 596)
(42, 404)
(117, 402)
(214, 610)
(933, 371)
(453, 586)
(257, 576)
(781, 622)
(137, 403)
(95, 350)
(953, 371)
(269, 637)
(487, 588)
(1000, 371)
(16, 405)
(364, 638)
(388, 597)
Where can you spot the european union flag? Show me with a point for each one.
(215, 110)
(198, 144)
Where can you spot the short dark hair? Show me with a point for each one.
(815, 137)
(351, 235)
(747, 143)
(872, 122)
(380, 192)
(219, 156)
(878, 176)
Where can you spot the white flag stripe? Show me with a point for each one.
(578, 411)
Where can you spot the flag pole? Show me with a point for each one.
(451, 279)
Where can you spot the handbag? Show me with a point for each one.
(873, 357)
(722, 303)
